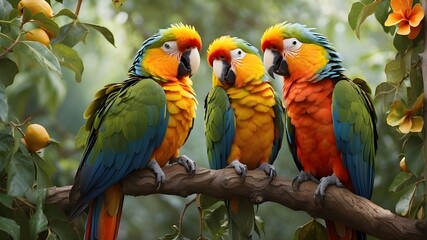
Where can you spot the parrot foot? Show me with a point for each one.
(160, 175)
(302, 177)
(324, 183)
(239, 167)
(269, 169)
(188, 164)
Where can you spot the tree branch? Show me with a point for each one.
(339, 204)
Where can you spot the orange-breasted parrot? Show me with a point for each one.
(243, 121)
(141, 122)
(330, 123)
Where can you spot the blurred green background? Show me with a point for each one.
(152, 216)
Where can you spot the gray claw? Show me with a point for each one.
(160, 175)
(269, 169)
(189, 164)
(239, 167)
(302, 177)
(324, 183)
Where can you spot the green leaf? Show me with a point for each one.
(405, 201)
(259, 226)
(40, 53)
(46, 24)
(66, 12)
(20, 174)
(38, 221)
(395, 72)
(8, 69)
(401, 43)
(26, 15)
(353, 15)
(45, 170)
(59, 222)
(71, 34)
(312, 230)
(7, 147)
(413, 155)
(399, 180)
(4, 107)
(358, 14)
(214, 219)
(118, 4)
(207, 201)
(175, 235)
(382, 12)
(53, 236)
(69, 58)
(103, 30)
(10, 227)
(6, 200)
(5, 9)
(81, 137)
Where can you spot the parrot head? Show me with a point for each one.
(171, 54)
(296, 52)
(234, 61)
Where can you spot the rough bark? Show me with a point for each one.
(339, 204)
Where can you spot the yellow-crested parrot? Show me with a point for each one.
(243, 121)
(141, 122)
(330, 119)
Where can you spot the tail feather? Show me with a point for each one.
(339, 231)
(104, 215)
(241, 219)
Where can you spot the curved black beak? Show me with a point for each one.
(228, 77)
(280, 66)
(184, 66)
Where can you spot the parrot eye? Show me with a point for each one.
(292, 44)
(237, 54)
(170, 47)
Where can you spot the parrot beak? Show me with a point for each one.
(189, 63)
(275, 63)
(223, 72)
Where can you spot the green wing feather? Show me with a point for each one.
(127, 121)
(354, 122)
(219, 127)
(279, 126)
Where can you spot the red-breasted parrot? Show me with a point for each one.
(141, 122)
(330, 123)
(243, 121)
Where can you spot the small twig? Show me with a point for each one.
(181, 217)
(199, 210)
(26, 203)
(79, 4)
(19, 125)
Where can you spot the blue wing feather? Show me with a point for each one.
(219, 127)
(354, 127)
(111, 153)
(279, 128)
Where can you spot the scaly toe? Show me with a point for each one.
(302, 177)
(325, 182)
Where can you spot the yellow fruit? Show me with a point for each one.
(402, 164)
(38, 35)
(36, 138)
(36, 6)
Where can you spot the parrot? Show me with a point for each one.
(330, 120)
(141, 122)
(244, 123)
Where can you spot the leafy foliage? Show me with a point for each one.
(403, 88)
(26, 66)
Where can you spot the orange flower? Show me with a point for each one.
(407, 18)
